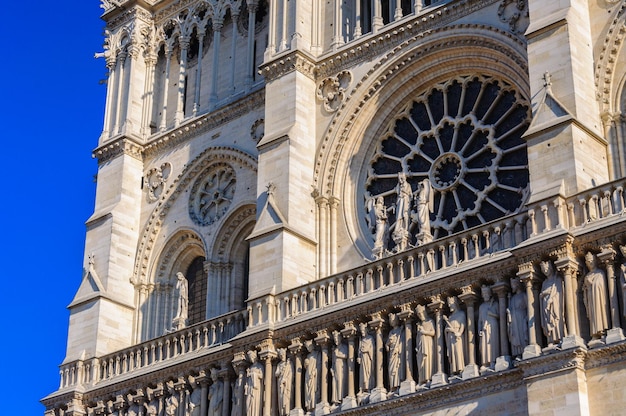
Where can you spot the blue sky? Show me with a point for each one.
(51, 115)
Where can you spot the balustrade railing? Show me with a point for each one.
(544, 216)
(195, 338)
(573, 214)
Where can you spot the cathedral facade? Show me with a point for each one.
(404, 207)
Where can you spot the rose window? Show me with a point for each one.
(212, 194)
(462, 143)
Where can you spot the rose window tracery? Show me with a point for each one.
(212, 194)
(459, 148)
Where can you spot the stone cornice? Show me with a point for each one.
(284, 64)
(549, 364)
(608, 355)
(122, 145)
(192, 128)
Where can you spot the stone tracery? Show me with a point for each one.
(462, 140)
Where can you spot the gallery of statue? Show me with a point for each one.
(407, 207)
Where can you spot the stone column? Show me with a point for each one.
(349, 332)
(111, 64)
(607, 256)
(357, 20)
(166, 84)
(408, 384)
(196, 96)
(267, 354)
(469, 297)
(183, 43)
(503, 362)
(333, 203)
(528, 277)
(337, 39)
(218, 23)
(239, 364)
(323, 407)
(296, 348)
(203, 380)
(252, 6)
(225, 374)
(122, 75)
(439, 378)
(377, 20)
(148, 93)
(233, 49)
(568, 267)
(379, 393)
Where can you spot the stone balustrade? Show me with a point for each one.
(204, 335)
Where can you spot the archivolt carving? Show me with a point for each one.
(331, 90)
(515, 13)
(234, 225)
(186, 241)
(606, 65)
(210, 156)
(485, 40)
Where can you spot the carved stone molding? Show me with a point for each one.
(294, 61)
(123, 145)
(207, 122)
(613, 42)
(331, 91)
(494, 39)
(155, 180)
(558, 361)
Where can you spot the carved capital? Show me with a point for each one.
(468, 296)
(349, 330)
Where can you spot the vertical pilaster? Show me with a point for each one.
(349, 333)
(166, 85)
(218, 23)
(323, 407)
(408, 384)
(295, 348)
(379, 393)
(568, 267)
(607, 257)
(469, 298)
(528, 277)
(436, 305)
(503, 362)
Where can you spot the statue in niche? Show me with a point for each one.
(378, 217)
(488, 329)
(182, 301)
(517, 318)
(253, 389)
(394, 353)
(424, 202)
(424, 345)
(236, 396)
(216, 395)
(171, 403)
(365, 359)
(152, 408)
(552, 308)
(311, 363)
(622, 250)
(403, 205)
(595, 298)
(454, 331)
(338, 370)
(284, 380)
(193, 405)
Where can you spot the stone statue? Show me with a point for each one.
(403, 203)
(284, 381)
(394, 353)
(171, 404)
(182, 302)
(365, 359)
(216, 395)
(254, 385)
(152, 408)
(622, 250)
(338, 370)
(133, 410)
(424, 202)
(552, 307)
(455, 333)
(311, 364)
(378, 217)
(193, 405)
(488, 329)
(595, 298)
(237, 392)
(517, 318)
(424, 345)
